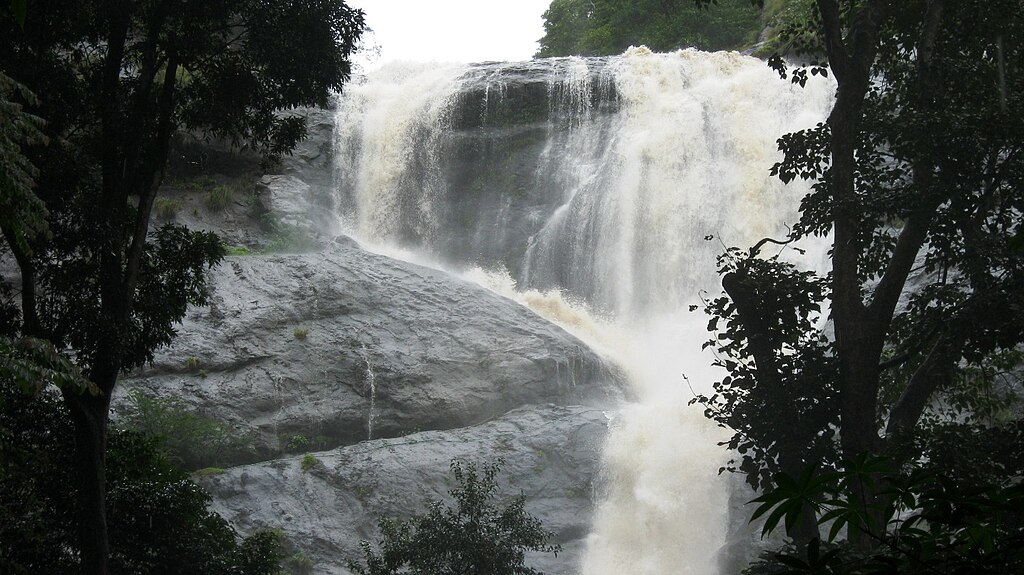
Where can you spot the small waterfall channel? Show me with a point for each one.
(585, 189)
(371, 382)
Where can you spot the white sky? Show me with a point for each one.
(452, 30)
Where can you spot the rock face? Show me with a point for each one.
(347, 345)
(550, 452)
(390, 368)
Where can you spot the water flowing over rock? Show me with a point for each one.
(600, 176)
(343, 347)
(597, 182)
(345, 344)
(564, 196)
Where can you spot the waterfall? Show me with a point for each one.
(371, 381)
(586, 189)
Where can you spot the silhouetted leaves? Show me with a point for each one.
(475, 537)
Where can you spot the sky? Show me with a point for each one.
(451, 30)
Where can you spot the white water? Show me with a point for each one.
(641, 157)
(371, 380)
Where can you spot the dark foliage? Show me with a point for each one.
(20, 210)
(606, 27)
(778, 363)
(916, 177)
(115, 79)
(932, 521)
(476, 537)
(159, 520)
(172, 278)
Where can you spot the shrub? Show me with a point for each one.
(192, 441)
(475, 537)
(301, 563)
(930, 522)
(192, 362)
(300, 332)
(237, 251)
(148, 499)
(296, 442)
(288, 238)
(308, 461)
(167, 208)
(201, 183)
(218, 198)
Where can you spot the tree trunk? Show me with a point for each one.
(89, 414)
(858, 343)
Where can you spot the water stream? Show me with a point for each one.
(585, 189)
(371, 381)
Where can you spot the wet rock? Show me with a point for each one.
(347, 345)
(550, 454)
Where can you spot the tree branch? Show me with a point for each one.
(142, 105)
(147, 188)
(914, 233)
(838, 58)
(890, 287)
(113, 189)
(757, 247)
(909, 353)
(29, 312)
(747, 308)
(933, 372)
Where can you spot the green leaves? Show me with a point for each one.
(608, 27)
(22, 213)
(834, 497)
(33, 364)
(20, 10)
(474, 537)
(920, 520)
(189, 440)
(148, 500)
(789, 498)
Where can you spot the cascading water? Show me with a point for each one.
(371, 382)
(586, 188)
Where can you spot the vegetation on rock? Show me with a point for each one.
(158, 519)
(191, 441)
(476, 537)
(308, 462)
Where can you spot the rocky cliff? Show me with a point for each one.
(389, 369)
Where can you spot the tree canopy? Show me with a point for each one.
(917, 181)
(113, 80)
(608, 27)
(475, 537)
(159, 519)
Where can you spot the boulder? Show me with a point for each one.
(347, 345)
(550, 453)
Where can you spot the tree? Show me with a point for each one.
(917, 180)
(607, 27)
(932, 523)
(115, 80)
(159, 518)
(474, 538)
(21, 211)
